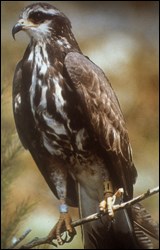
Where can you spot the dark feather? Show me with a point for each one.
(144, 225)
(104, 116)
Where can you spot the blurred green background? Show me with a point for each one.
(122, 38)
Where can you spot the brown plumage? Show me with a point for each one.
(68, 116)
(104, 118)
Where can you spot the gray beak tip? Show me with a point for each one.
(17, 27)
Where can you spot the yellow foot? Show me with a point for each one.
(63, 224)
(108, 202)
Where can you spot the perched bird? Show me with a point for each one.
(68, 116)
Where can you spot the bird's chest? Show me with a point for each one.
(54, 116)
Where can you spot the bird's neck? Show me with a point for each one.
(54, 49)
(49, 53)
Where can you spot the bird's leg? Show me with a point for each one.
(109, 198)
(64, 222)
(106, 203)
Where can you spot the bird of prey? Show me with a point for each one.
(68, 116)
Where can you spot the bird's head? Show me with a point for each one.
(41, 21)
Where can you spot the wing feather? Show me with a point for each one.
(17, 104)
(103, 113)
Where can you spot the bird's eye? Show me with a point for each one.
(37, 17)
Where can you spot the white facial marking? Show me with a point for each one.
(39, 8)
(39, 32)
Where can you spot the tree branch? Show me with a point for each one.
(123, 205)
(18, 240)
(49, 240)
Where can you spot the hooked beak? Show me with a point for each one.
(21, 25)
(17, 27)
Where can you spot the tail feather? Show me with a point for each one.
(103, 233)
(144, 225)
(129, 230)
(142, 238)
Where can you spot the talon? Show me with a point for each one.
(109, 199)
(59, 240)
(110, 203)
(63, 222)
(119, 192)
(103, 206)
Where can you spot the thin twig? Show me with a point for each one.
(117, 207)
(137, 199)
(18, 240)
(49, 240)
